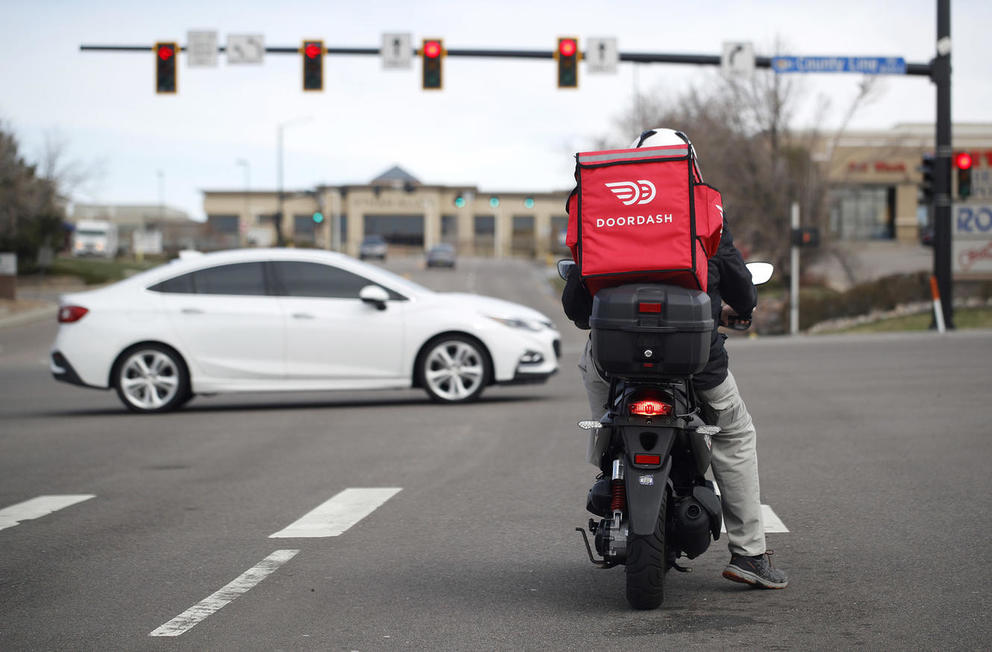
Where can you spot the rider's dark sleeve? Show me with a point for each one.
(576, 300)
(736, 287)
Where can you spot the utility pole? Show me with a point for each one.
(280, 194)
(247, 224)
(794, 275)
(941, 76)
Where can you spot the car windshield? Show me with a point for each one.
(443, 248)
(374, 239)
(399, 283)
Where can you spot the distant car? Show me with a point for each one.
(442, 255)
(292, 320)
(373, 246)
(926, 235)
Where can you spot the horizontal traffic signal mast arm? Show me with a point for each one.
(923, 69)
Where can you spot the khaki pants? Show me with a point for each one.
(735, 456)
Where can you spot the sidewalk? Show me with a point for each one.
(37, 299)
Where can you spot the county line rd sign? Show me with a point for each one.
(860, 65)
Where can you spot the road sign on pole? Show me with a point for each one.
(201, 49)
(245, 48)
(862, 65)
(602, 55)
(397, 51)
(737, 58)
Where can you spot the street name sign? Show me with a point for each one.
(862, 65)
(245, 48)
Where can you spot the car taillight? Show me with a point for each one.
(650, 407)
(69, 314)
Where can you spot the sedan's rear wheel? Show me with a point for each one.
(151, 378)
(453, 369)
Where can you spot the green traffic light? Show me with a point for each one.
(460, 201)
(529, 202)
(318, 217)
(494, 202)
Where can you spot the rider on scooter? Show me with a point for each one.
(735, 460)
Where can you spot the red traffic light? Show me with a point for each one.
(432, 49)
(165, 52)
(312, 51)
(567, 47)
(963, 161)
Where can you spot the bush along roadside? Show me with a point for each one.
(818, 305)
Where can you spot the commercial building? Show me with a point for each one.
(408, 213)
(177, 230)
(874, 177)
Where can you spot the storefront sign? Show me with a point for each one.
(971, 252)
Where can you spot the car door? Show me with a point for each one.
(333, 335)
(229, 324)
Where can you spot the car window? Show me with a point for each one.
(237, 278)
(178, 285)
(302, 279)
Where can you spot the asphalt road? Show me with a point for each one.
(874, 453)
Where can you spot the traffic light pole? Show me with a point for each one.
(941, 76)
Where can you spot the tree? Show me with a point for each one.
(31, 213)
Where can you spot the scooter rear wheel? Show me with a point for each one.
(647, 564)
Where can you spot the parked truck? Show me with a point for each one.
(95, 238)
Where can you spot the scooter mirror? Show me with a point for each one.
(760, 272)
(564, 265)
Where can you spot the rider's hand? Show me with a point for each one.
(725, 314)
(730, 319)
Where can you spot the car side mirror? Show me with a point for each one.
(374, 295)
(564, 267)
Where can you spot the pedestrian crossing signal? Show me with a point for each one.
(165, 67)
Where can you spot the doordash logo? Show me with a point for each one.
(629, 192)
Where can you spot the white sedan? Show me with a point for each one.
(292, 320)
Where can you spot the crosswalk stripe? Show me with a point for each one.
(336, 515)
(193, 616)
(38, 507)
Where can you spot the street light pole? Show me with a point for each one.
(244, 163)
(280, 240)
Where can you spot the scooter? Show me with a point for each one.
(654, 503)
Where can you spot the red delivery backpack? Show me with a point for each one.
(643, 215)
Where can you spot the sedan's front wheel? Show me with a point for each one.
(151, 378)
(453, 369)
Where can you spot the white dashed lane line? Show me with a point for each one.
(190, 618)
(38, 507)
(336, 515)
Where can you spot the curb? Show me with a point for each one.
(29, 316)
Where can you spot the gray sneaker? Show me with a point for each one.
(756, 571)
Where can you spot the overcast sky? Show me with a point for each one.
(499, 124)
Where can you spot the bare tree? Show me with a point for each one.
(742, 129)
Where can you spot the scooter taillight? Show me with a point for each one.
(650, 407)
